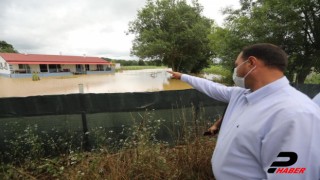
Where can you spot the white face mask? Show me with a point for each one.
(239, 81)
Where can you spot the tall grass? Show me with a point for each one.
(217, 69)
(149, 161)
(137, 155)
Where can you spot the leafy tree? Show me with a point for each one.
(226, 44)
(293, 25)
(154, 63)
(124, 62)
(174, 32)
(141, 63)
(6, 48)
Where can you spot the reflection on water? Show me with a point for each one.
(126, 81)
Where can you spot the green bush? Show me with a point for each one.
(313, 78)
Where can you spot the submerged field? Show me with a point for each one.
(146, 80)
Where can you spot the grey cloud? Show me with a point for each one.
(48, 26)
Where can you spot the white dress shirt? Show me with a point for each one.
(316, 99)
(258, 125)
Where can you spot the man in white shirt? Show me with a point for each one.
(270, 130)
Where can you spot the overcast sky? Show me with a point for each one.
(77, 27)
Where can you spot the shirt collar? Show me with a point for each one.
(267, 90)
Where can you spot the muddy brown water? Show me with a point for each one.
(148, 80)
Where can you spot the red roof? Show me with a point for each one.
(15, 58)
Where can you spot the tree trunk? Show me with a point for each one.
(173, 66)
(301, 77)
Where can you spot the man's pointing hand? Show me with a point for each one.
(175, 75)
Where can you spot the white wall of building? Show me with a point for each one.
(4, 66)
(34, 68)
(93, 67)
(71, 67)
(15, 66)
(66, 69)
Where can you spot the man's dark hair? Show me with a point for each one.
(271, 55)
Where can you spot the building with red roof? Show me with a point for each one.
(23, 65)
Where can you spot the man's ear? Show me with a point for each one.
(252, 61)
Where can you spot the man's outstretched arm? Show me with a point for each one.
(212, 89)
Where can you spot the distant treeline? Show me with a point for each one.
(135, 62)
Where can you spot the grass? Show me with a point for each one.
(313, 78)
(157, 161)
(141, 155)
(152, 161)
(217, 69)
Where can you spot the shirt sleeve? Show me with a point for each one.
(214, 90)
(293, 133)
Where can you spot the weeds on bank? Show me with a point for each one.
(217, 69)
(313, 78)
(136, 153)
(220, 70)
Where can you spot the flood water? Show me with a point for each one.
(127, 81)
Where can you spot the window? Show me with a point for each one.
(100, 67)
(79, 68)
(43, 68)
(24, 68)
(54, 68)
(87, 67)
